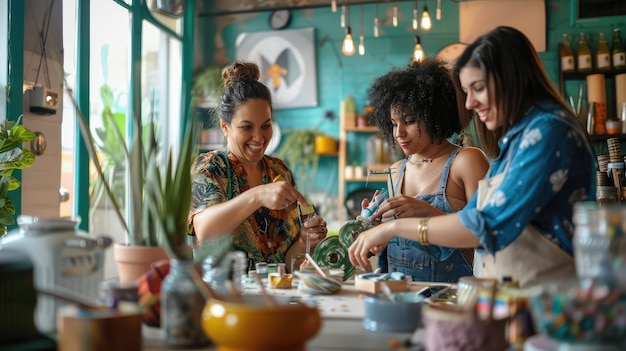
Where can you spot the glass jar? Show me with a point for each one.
(600, 241)
(232, 267)
(181, 307)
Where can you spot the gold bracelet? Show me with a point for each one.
(422, 231)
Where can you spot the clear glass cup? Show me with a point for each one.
(469, 287)
(600, 241)
(296, 261)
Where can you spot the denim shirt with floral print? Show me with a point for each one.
(552, 166)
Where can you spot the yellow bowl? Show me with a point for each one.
(255, 326)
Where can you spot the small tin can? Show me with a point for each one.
(262, 269)
(281, 269)
(272, 268)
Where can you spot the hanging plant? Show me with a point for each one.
(12, 135)
(298, 150)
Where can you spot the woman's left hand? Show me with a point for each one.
(315, 228)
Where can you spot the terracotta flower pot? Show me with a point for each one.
(134, 261)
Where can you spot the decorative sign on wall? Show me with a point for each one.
(287, 62)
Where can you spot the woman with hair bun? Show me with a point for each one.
(242, 191)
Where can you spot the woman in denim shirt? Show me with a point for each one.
(416, 110)
(520, 219)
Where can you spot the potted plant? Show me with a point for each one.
(206, 91)
(12, 157)
(298, 150)
(207, 86)
(159, 196)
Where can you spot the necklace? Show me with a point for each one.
(430, 159)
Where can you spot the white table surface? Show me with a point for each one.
(341, 327)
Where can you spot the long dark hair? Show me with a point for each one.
(506, 55)
(241, 83)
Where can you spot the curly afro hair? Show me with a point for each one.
(423, 89)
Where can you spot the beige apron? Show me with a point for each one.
(530, 259)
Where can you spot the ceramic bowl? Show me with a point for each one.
(312, 283)
(403, 315)
(581, 311)
(253, 325)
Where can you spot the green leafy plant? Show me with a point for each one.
(159, 195)
(298, 150)
(112, 152)
(12, 157)
(208, 83)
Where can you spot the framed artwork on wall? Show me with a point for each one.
(594, 11)
(286, 59)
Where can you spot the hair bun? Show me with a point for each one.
(240, 71)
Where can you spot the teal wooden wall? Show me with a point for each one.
(392, 49)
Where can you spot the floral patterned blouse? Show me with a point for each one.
(266, 235)
(552, 166)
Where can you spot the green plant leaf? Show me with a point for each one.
(12, 156)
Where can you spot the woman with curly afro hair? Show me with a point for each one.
(415, 108)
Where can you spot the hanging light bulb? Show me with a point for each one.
(361, 43)
(418, 51)
(426, 23)
(333, 5)
(347, 47)
(438, 11)
(361, 46)
(376, 22)
(415, 15)
(394, 19)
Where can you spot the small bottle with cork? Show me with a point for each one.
(617, 50)
(584, 54)
(603, 55)
(566, 55)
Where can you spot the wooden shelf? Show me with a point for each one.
(345, 127)
(368, 129)
(373, 178)
(605, 137)
(583, 75)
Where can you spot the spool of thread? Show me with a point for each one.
(596, 93)
(596, 88)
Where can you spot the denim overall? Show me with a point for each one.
(411, 258)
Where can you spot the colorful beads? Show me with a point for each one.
(590, 311)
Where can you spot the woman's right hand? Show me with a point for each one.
(402, 206)
(278, 195)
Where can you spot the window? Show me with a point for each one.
(135, 64)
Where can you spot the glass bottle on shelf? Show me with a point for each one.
(566, 55)
(584, 54)
(619, 58)
(603, 56)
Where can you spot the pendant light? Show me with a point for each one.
(376, 20)
(394, 19)
(426, 24)
(347, 47)
(418, 51)
(414, 14)
(333, 5)
(343, 15)
(361, 43)
(438, 11)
